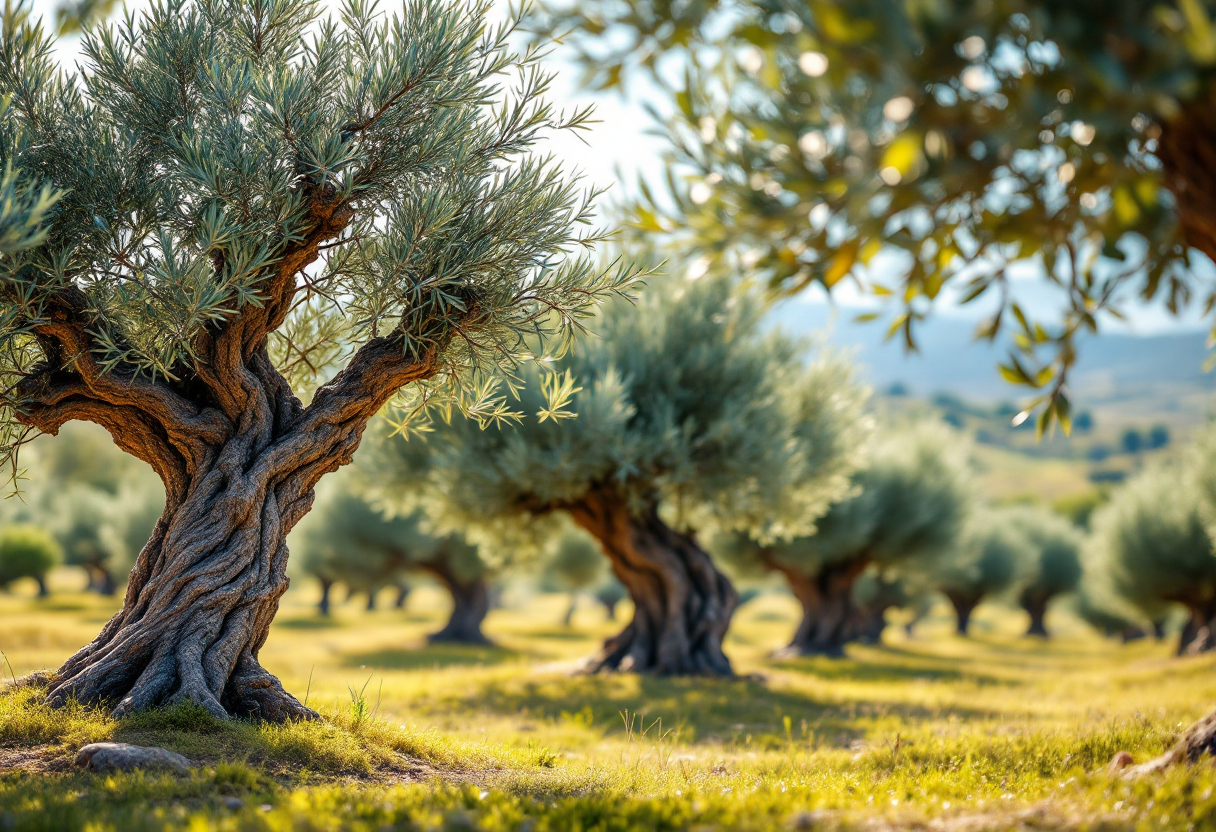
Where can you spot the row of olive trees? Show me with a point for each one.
(702, 440)
(1152, 550)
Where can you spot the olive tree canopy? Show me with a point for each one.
(1151, 542)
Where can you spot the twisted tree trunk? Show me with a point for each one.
(682, 603)
(1035, 604)
(323, 602)
(239, 456)
(964, 604)
(829, 614)
(206, 586)
(470, 605)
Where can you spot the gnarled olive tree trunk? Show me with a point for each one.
(682, 603)
(1035, 605)
(239, 456)
(238, 474)
(964, 604)
(829, 613)
(323, 604)
(470, 605)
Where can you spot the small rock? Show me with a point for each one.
(234, 803)
(806, 820)
(265, 807)
(1121, 761)
(118, 756)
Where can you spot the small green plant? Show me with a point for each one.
(360, 710)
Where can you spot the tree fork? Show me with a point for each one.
(682, 603)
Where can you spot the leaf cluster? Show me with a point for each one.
(356, 175)
(685, 401)
(907, 504)
(928, 150)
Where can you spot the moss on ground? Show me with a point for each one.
(936, 732)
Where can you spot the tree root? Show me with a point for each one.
(1197, 743)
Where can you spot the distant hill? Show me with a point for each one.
(1112, 367)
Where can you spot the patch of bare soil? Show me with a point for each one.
(37, 759)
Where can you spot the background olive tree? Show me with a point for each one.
(1152, 540)
(690, 415)
(348, 539)
(983, 563)
(906, 504)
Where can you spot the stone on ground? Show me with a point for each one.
(119, 756)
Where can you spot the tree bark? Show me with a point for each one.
(239, 456)
(829, 613)
(964, 605)
(43, 591)
(568, 618)
(323, 603)
(682, 603)
(206, 586)
(1199, 632)
(1035, 605)
(371, 600)
(470, 605)
(403, 594)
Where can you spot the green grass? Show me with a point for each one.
(993, 732)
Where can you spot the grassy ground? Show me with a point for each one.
(995, 732)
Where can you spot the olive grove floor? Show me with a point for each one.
(935, 732)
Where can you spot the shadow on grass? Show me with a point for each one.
(708, 710)
(311, 622)
(435, 655)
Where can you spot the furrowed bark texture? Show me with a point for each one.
(829, 613)
(470, 605)
(239, 456)
(682, 603)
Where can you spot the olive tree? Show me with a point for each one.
(1050, 565)
(252, 196)
(906, 504)
(691, 416)
(347, 538)
(574, 564)
(1151, 541)
(967, 143)
(984, 563)
(27, 551)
